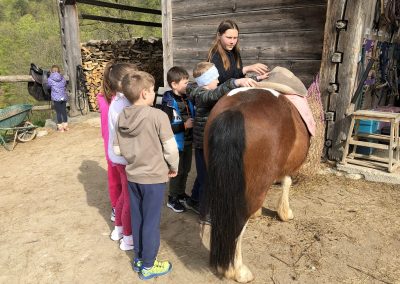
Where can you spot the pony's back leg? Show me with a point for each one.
(284, 211)
(239, 271)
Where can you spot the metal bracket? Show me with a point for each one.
(330, 116)
(337, 57)
(333, 88)
(341, 25)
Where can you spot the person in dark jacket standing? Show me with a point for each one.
(205, 94)
(57, 84)
(180, 111)
(225, 54)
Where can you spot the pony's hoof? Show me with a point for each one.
(285, 215)
(290, 215)
(256, 214)
(244, 275)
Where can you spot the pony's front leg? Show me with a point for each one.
(205, 233)
(239, 272)
(284, 211)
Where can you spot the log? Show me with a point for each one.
(19, 78)
(16, 78)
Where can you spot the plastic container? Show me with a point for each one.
(367, 126)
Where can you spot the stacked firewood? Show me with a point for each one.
(145, 53)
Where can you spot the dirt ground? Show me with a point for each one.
(55, 224)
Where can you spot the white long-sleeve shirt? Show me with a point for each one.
(116, 107)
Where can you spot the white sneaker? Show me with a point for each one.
(124, 245)
(116, 234)
(113, 215)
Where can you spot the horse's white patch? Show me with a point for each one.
(243, 89)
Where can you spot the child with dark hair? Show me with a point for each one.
(181, 112)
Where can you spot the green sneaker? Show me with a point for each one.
(137, 265)
(159, 268)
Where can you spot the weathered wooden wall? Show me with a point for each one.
(288, 33)
(348, 42)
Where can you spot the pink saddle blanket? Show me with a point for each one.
(299, 101)
(302, 106)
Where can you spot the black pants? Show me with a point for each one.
(177, 185)
(61, 111)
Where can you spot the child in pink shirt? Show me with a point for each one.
(113, 75)
(114, 182)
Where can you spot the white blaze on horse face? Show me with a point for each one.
(244, 89)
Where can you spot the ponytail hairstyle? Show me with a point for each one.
(112, 79)
(217, 47)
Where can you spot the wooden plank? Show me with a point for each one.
(43, 107)
(20, 78)
(16, 78)
(334, 12)
(369, 157)
(120, 6)
(350, 43)
(194, 8)
(72, 53)
(370, 114)
(167, 37)
(374, 136)
(276, 20)
(368, 144)
(280, 45)
(119, 21)
(369, 164)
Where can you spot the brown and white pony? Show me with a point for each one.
(252, 139)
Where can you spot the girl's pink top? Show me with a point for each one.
(103, 107)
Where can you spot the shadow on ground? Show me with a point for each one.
(94, 180)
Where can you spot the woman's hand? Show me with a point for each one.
(262, 77)
(258, 68)
(245, 82)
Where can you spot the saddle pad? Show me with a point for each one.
(243, 89)
(299, 102)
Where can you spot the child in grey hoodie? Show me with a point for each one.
(145, 139)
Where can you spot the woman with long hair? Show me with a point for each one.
(225, 54)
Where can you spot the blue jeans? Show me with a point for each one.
(146, 203)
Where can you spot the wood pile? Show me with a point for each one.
(147, 54)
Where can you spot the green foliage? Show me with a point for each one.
(30, 33)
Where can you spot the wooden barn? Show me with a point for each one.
(310, 37)
(303, 36)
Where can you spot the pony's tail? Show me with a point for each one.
(225, 193)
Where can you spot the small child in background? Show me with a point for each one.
(180, 111)
(59, 96)
(146, 141)
(113, 75)
(205, 94)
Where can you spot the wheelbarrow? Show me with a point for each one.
(14, 125)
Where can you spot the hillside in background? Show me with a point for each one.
(29, 32)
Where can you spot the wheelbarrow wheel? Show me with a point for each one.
(27, 134)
